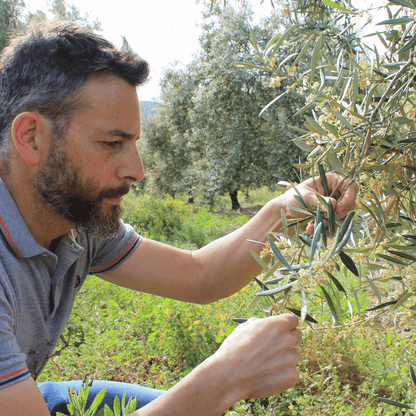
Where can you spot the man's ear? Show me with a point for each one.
(26, 132)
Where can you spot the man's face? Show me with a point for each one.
(85, 176)
(76, 199)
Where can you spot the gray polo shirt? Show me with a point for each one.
(38, 287)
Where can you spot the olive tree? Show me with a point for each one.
(218, 142)
(362, 103)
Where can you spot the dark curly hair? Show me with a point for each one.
(44, 69)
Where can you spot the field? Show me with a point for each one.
(135, 337)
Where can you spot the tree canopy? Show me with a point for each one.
(208, 137)
(13, 16)
(10, 18)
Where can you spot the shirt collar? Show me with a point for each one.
(14, 229)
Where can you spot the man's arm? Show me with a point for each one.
(22, 399)
(226, 265)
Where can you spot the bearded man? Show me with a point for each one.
(69, 122)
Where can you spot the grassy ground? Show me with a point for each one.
(119, 335)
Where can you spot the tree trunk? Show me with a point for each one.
(234, 200)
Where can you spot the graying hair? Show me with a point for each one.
(45, 68)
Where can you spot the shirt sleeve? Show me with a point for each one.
(111, 252)
(12, 361)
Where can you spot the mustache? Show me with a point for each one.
(115, 192)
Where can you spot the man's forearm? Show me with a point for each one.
(257, 360)
(213, 272)
(226, 265)
(206, 391)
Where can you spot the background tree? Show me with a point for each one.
(13, 16)
(60, 9)
(10, 18)
(213, 112)
(166, 149)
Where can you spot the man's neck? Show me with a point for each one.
(46, 227)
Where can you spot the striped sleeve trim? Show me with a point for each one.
(16, 375)
(120, 258)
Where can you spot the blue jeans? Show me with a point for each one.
(56, 394)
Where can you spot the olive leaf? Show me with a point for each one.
(308, 318)
(348, 263)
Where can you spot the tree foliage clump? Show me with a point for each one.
(362, 103)
(14, 17)
(10, 13)
(207, 137)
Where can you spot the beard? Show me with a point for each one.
(76, 200)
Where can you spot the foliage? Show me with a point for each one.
(13, 17)
(208, 138)
(10, 18)
(362, 127)
(361, 124)
(147, 108)
(398, 404)
(60, 9)
(78, 402)
(140, 338)
(341, 369)
(164, 144)
(168, 220)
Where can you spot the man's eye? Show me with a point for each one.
(112, 144)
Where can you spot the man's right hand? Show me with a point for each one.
(264, 355)
(257, 360)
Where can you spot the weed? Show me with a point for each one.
(78, 403)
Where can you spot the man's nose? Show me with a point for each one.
(132, 167)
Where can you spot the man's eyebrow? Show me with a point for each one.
(121, 133)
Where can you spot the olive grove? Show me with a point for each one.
(208, 137)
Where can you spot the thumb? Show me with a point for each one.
(329, 200)
(310, 228)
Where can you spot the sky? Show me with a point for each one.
(161, 31)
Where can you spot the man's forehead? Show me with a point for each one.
(109, 86)
(115, 101)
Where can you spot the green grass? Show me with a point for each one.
(255, 197)
(118, 334)
(177, 223)
(136, 337)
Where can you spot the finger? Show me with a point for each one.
(338, 184)
(347, 202)
(310, 228)
(291, 320)
(317, 184)
(249, 321)
(253, 318)
(297, 334)
(313, 200)
(344, 191)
